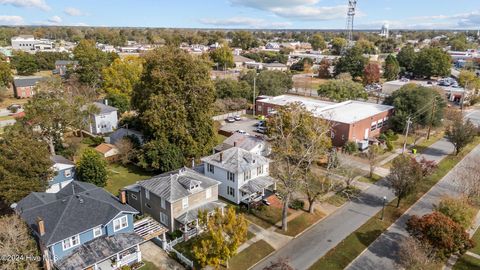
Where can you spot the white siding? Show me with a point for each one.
(104, 123)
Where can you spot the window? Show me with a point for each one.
(147, 194)
(148, 206)
(184, 203)
(231, 191)
(208, 193)
(120, 223)
(162, 203)
(380, 123)
(133, 196)
(68, 173)
(248, 175)
(163, 218)
(374, 126)
(97, 232)
(259, 170)
(71, 242)
(211, 168)
(231, 176)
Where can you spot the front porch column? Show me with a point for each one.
(275, 186)
(263, 192)
(139, 253)
(197, 225)
(164, 241)
(118, 260)
(222, 211)
(185, 236)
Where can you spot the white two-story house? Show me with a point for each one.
(244, 176)
(105, 121)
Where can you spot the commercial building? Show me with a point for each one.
(28, 43)
(351, 120)
(453, 94)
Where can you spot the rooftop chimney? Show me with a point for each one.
(221, 157)
(41, 226)
(123, 197)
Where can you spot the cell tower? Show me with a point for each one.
(352, 4)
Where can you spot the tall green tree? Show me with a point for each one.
(460, 132)
(269, 82)
(222, 57)
(161, 156)
(91, 62)
(174, 100)
(5, 74)
(405, 176)
(338, 44)
(92, 168)
(231, 88)
(24, 63)
(318, 42)
(391, 68)
(366, 46)
(416, 101)
(244, 40)
(406, 58)
(469, 80)
(24, 164)
(432, 62)
(122, 75)
(352, 62)
(341, 90)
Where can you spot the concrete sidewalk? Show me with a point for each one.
(382, 253)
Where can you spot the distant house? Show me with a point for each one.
(64, 173)
(61, 66)
(275, 66)
(105, 121)
(242, 61)
(24, 87)
(272, 46)
(244, 176)
(108, 151)
(175, 198)
(82, 227)
(250, 143)
(121, 133)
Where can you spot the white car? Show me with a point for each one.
(242, 132)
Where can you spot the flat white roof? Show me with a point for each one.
(425, 84)
(345, 112)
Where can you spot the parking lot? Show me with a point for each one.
(246, 124)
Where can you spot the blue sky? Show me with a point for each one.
(305, 14)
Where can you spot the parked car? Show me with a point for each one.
(237, 118)
(260, 123)
(230, 120)
(242, 132)
(261, 129)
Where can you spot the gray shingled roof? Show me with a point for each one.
(173, 185)
(243, 141)
(192, 214)
(57, 159)
(69, 211)
(236, 160)
(104, 108)
(257, 184)
(98, 250)
(26, 81)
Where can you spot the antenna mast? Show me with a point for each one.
(352, 5)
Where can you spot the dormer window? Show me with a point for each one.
(211, 168)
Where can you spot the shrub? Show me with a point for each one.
(93, 141)
(459, 210)
(297, 204)
(391, 136)
(389, 145)
(351, 147)
(176, 234)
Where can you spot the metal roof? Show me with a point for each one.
(236, 160)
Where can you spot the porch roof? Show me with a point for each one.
(148, 228)
(98, 250)
(192, 214)
(257, 184)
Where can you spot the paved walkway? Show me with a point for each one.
(154, 254)
(313, 244)
(382, 253)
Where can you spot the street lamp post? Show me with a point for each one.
(383, 206)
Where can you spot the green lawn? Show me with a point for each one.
(337, 200)
(347, 250)
(366, 179)
(467, 262)
(250, 256)
(476, 238)
(120, 176)
(6, 117)
(301, 223)
(149, 266)
(265, 217)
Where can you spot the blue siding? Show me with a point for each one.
(57, 248)
(60, 177)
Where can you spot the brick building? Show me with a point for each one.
(24, 87)
(351, 120)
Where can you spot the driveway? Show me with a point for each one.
(382, 253)
(154, 254)
(305, 250)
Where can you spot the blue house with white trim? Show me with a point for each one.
(64, 173)
(82, 227)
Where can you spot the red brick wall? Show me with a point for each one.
(23, 92)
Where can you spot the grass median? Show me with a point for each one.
(347, 250)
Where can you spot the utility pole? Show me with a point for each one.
(409, 121)
(254, 85)
(431, 118)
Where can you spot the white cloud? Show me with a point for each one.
(73, 11)
(55, 19)
(244, 22)
(41, 4)
(307, 10)
(11, 20)
(81, 24)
